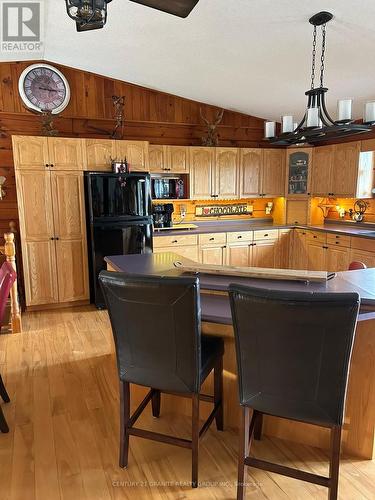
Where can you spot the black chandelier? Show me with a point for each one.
(88, 14)
(316, 124)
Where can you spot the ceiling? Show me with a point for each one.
(251, 56)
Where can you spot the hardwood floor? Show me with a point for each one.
(61, 376)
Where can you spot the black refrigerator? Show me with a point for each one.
(118, 218)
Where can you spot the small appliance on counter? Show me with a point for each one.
(167, 187)
(162, 214)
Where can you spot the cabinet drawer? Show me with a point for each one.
(212, 238)
(338, 239)
(366, 244)
(266, 234)
(183, 240)
(316, 236)
(240, 236)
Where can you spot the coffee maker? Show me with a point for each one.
(162, 214)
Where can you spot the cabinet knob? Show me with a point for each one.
(212, 239)
(174, 241)
(265, 235)
(239, 237)
(57, 238)
(52, 238)
(314, 236)
(47, 165)
(51, 165)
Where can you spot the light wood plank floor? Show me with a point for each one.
(63, 440)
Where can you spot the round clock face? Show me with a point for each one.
(44, 88)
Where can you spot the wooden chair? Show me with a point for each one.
(355, 265)
(7, 278)
(156, 326)
(293, 361)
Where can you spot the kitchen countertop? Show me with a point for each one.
(227, 226)
(362, 281)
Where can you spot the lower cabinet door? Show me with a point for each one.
(316, 257)
(239, 255)
(263, 254)
(364, 256)
(40, 272)
(72, 270)
(338, 258)
(189, 252)
(213, 255)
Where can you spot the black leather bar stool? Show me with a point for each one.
(293, 354)
(156, 325)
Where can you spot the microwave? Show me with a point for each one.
(167, 187)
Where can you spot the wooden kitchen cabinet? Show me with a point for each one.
(251, 169)
(177, 159)
(37, 229)
(316, 256)
(99, 154)
(53, 236)
(283, 249)
(201, 173)
(239, 254)
(189, 252)
(273, 177)
(135, 152)
(213, 254)
(226, 173)
(157, 157)
(298, 259)
(321, 175)
(363, 250)
(263, 254)
(298, 172)
(345, 169)
(337, 258)
(39, 153)
(30, 153)
(70, 229)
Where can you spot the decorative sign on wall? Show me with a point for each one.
(221, 210)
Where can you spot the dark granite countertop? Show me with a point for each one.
(216, 309)
(365, 230)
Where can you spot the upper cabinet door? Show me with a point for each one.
(66, 154)
(298, 172)
(345, 169)
(321, 177)
(227, 173)
(135, 152)
(30, 153)
(273, 179)
(99, 154)
(157, 158)
(201, 173)
(178, 159)
(251, 164)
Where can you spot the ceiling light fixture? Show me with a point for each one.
(88, 14)
(317, 125)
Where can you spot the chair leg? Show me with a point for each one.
(124, 418)
(334, 463)
(3, 423)
(244, 449)
(155, 403)
(258, 426)
(195, 440)
(3, 391)
(218, 394)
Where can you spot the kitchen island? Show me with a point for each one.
(359, 424)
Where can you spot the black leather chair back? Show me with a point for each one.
(156, 328)
(293, 351)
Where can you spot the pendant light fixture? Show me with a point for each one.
(317, 125)
(88, 14)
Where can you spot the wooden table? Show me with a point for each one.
(359, 425)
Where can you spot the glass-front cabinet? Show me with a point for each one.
(298, 172)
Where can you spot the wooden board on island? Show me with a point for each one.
(255, 272)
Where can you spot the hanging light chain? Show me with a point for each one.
(322, 57)
(313, 59)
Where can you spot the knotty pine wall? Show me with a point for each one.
(153, 116)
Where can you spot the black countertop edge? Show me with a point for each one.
(344, 228)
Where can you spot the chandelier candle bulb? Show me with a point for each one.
(313, 119)
(369, 112)
(344, 110)
(269, 129)
(287, 124)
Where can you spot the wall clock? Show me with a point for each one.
(44, 88)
